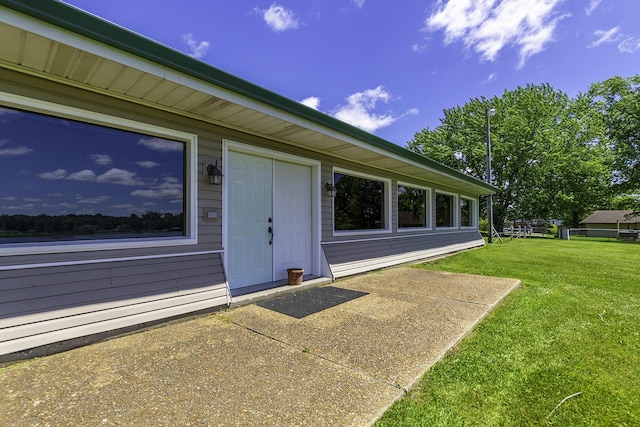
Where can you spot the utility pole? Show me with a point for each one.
(490, 112)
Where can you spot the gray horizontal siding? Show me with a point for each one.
(347, 258)
(42, 305)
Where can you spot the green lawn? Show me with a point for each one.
(572, 327)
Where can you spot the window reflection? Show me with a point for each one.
(412, 207)
(444, 210)
(69, 180)
(465, 213)
(359, 203)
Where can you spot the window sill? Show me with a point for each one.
(337, 233)
(98, 245)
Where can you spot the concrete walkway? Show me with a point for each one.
(250, 366)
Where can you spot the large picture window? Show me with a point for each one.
(445, 210)
(360, 203)
(66, 180)
(413, 207)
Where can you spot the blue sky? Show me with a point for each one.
(391, 68)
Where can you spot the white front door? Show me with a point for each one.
(292, 218)
(269, 219)
(250, 190)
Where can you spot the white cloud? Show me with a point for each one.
(418, 47)
(13, 151)
(629, 45)
(278, 18)
(147, 164)
(593, 4)
(123, 206)
(92, 200)
(56, 174)
(358, 3)
(170, 189)
(101, 159)
(119, 176)
(489, 26)
(626, 43)
(83, 175)
(197, 50)
(608, 36)
(24, 207)
(312, 101)
(5, 113)
(359, 110)
(159, 144)
(491, 77)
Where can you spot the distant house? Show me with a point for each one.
(606, 223)
(139, 184)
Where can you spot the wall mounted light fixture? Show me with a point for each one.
(331, 189)
(215, 174)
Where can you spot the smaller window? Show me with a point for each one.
(466, 213)
(360, 203)
(413, 207)
(445, 210)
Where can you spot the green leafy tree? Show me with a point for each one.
(618, 101)
(548, 157)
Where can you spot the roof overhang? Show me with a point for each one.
(61, 43)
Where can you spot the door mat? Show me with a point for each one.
(310, 301)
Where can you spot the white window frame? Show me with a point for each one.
(473, 212)
(91, 117)
(455, 213)
(428, 208)
(387, 201)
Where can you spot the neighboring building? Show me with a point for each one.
(113, 213)
(607, 223)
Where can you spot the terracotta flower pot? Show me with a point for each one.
(295, 275)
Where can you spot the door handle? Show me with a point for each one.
(270, 229)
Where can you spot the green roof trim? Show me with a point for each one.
(93, 27)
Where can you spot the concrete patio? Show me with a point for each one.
(250, 366)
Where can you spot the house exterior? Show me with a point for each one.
(141, 184)
(607, 223)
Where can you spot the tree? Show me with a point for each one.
(577, 165)
(547, 152)
(618, 101)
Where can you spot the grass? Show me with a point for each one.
(572, 327)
